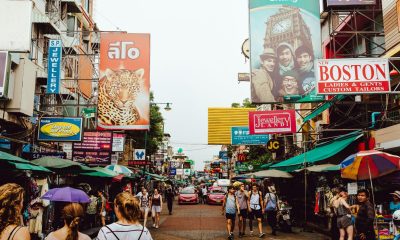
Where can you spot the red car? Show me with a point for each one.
(215, 196)
(188, 195)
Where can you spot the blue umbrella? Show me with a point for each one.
(66, 194)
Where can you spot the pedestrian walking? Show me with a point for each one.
(156, 208)
(169, 196)
(102, 207)
(127, 209)
(144, 203)
(255, 206)
(242, 197)
(72, 214)
(229, 206)
(91, 211)
(12, 203)
(271, 208)
(204, 194)
(365, 217)
(344, 222)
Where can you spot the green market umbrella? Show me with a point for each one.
(100, 172)
(60, 165)
(20, 163)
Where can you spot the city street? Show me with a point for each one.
(206, 222)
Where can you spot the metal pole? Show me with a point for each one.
(145, 148)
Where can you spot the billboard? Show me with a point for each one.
(94, 150)
(58, 129)
(350, 2)
(124, 85)
(4, 73)
(285, 39)
(54, 67)
(16, 25)
(241, 136)
(353, 76)
(269, 122)
(221, 121)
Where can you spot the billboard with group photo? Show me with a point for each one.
(124, 85)
(285, 39)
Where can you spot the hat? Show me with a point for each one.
(283, 45)
(396, 193)
(268, 52)
(291, 73)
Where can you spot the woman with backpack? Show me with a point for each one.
(271, 207)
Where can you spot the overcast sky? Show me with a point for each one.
(195, 58)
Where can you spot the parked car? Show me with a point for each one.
(188, 195)
(215, 196)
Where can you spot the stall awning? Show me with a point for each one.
(322, 108)
(321, 152)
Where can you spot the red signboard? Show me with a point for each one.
(241, 157)
(95, 149)
(268, 122)
(138, 162)
(353, 76)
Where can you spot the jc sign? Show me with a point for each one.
(273, 145)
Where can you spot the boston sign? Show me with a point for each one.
(268, 122)
(353, 76)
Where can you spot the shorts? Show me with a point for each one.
(155, 209)
(103, 214)
(243, 213)
(230, 216)
(344, 221)
(255, 213)
(145, 210)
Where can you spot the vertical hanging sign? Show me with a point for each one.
(54, 67)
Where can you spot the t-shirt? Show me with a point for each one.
(92, 207)
(271, 197)
(144, 201)
(124, 232)
(394, 207)
(204, 191)
(242, 199)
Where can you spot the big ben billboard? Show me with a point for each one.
(285, 39)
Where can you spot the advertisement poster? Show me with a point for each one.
(241, 136)
(350, 2)
(54, 67)
(94, 150)
(118, 142)
(353, 76)
(124, 85)
(285, 39)
(269, 122)
(54, 129)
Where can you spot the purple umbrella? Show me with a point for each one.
(66, 194)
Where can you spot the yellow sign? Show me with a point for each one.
(60, 129)
(221, 121)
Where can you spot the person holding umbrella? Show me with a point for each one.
(12, 202)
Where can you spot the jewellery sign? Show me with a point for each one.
(54, 67)
(269, 122)
(124, 85)
(353, 76)
(60, 129)
(285, 39)
(95, 149)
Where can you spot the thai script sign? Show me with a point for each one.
(95, 149)
(241, 136)
(353, 76)
(268, 122)
(54, 67)
(60, 129)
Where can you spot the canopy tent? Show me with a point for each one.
(101, 172)
(156, 176)
(321, 152)
(273, 173)
(16, 163)
(266, 166)
(59, 165)
(321, 168)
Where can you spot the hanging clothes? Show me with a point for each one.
(317, 199)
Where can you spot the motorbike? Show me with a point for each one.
(284, 217)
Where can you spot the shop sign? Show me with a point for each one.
(33, 156)
(138, 163)
(273, 145)
(158, 157)
(223, 155)
(118, 142)
(172, 171)
(55, 129)
(179, 171)
(242, 157)
(353, 76)
(241, 136)
(54, 67)
(350, 2)
(140, 154)
(114, 159)
(186, 172)
(95, 149)
(269, 122)
(352, 188)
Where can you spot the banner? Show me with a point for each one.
(353, 76)
(54, 129)
(241, 136)
(36, 155)
(124, 85)
(285, 39)
(95, 149)
(350, 2)
(269, 122)
(54, 67)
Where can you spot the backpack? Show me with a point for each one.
(271, 204)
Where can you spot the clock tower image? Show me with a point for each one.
(287, 26)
